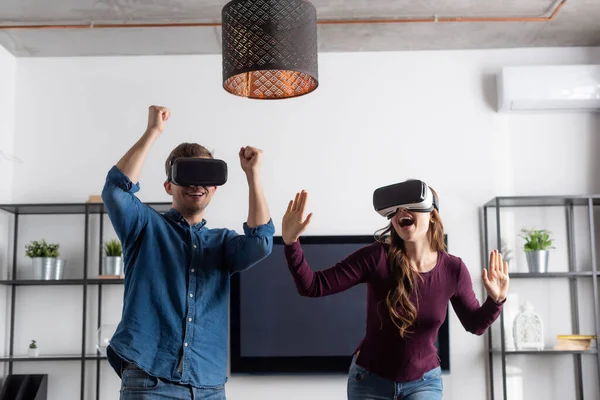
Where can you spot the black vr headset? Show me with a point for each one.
(193, 171)
(414, 195)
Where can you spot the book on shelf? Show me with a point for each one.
(574, 342)
(110, 277)
(95, 199)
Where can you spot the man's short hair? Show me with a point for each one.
(186, 150)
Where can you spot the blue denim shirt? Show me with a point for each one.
(174, 321)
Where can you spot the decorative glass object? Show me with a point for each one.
(510, 309)
(528, 330)
(105, 334)
(514, 383)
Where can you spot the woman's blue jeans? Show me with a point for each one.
(365, 385)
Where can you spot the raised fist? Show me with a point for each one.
(157, 117)
(250, 159)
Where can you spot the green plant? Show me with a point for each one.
(112, 248)
(41, 249)
(33, 345)
(536, 239)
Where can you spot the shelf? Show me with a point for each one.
(60, 282)
(68, 208)
(105, 281)
(54, 357)
(574, 208)
(544, 352)
(542, 201)
(519, 275)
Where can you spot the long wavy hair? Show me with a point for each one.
(404, 275)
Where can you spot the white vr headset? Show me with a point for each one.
(414, 195)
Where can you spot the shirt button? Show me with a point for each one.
(194, 246)
(185, 344)
(191, 295)
(189, 319)
(193, 270)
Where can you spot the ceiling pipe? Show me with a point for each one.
(319, 22)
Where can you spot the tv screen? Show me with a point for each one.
(275, 330)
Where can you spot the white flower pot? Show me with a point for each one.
(33, 352)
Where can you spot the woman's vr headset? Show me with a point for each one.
(193, 171)
(414, 195)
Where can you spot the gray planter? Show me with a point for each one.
(44, 268)
(537, 261)
(48, 268)
(59, 269)
(112, 266)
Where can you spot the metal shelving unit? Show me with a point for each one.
(568, 203)
(86, 210)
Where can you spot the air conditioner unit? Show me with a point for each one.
(574, 88)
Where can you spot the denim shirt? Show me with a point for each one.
(174, 322)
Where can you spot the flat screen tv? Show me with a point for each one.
(275, 330)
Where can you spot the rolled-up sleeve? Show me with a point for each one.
(245, 251)
(127, 213)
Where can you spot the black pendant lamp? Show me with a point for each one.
(269, 48)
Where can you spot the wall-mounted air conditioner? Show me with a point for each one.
(574, 88)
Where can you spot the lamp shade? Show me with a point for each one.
(269, 48)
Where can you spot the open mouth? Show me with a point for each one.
(196, 195)
(406, 221)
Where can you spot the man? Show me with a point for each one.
(172, 338)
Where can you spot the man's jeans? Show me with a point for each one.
(138, 385)
(364, 385)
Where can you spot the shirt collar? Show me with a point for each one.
(176, 216)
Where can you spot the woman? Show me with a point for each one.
(410, 278)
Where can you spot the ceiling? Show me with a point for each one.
(576, 24)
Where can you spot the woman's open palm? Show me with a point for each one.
(496, 280)
(294, 223)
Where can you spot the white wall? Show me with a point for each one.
(376, 119)
(8, 65)
(7, 102)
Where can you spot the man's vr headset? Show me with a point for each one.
(193, 171)
(414, 195)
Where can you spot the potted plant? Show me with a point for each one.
(43, 256)
(33, 349)
(113, 258)
(538, 243)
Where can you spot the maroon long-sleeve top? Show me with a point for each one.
(382, 350)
